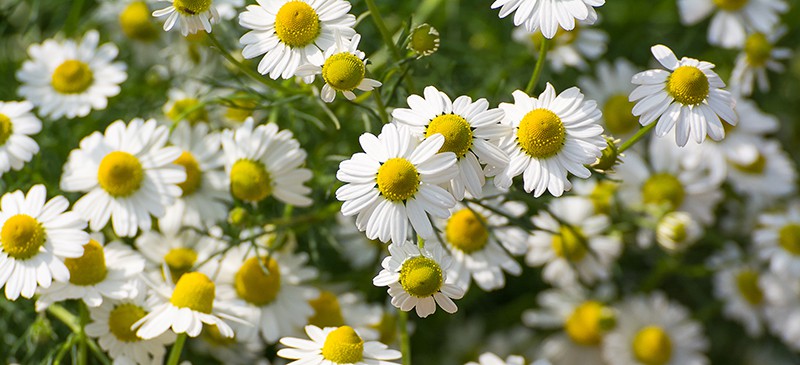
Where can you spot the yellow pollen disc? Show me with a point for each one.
(663, 189)
(191, 7)
(297, 24)
(136, 23)
(541, 133)
(602, 196)
(688, 85)
(757, 49)
(189, 109)
(120, 320)
(788, 238)
(327, 311)
(90, 268)
(241, 108)
(343, 346)
(211, 334)
(570, 244)
(421, 277)
(195, 291)
(747, 283)
(180, 261)
(22, 236)
(120, 174)
(250, 181)
(467, 231)
(730, 5)
(456, 131)
(618, 115)
(398, 179)
(258, 284)
(588, 321)
(194, 176)
(652, 346)
(756, 167)
(72, 77)
(424, 40)
(343, 71)
(6, 128)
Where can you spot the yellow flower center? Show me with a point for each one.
(180, 261)
(22, 236)
(421, 277)
(136, 22)
(194, 176)
(343, 346)
(120, 320)
(241, 108)
(189, 109)
(756, 167)
(424, 40)
(747, 283)
(466, 231)
(327, 311)
(195, 291)
(541, 133)
(258, 282)
(588, 321)
(6, 128)
(250, 181)
(211, 334)
(343, 71)
(602, 196)
(663, 189)
(730, 5)
(120, 174)
(72, 77)
(688, 85)
(90, 268)
(757, 49)
(297, 24)
(398, 179)
(652, 346)
(191, 7)
(618, 114)
(788, 238)
(570, 244)
(563, 36)
(456, 131)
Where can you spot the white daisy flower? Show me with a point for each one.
(676, 231)
(688, 97)
(737, 284)
(778, 240)
(758, 56)
(343, 69)
(767, 175)
(263, 161)
(553, 135)
(573, 243)
(35, 238)
(396, 181)
(17, 124)
(290, 33)
(418, 278)
(128, 175)
(103, 272)
(181, 252)
(349, 309)
(129, 19)
(734, 19)
(568, 48)
(69, 79)
(188, 102)
(602, 194)
(336, 345)
(205, 196)
(471, 131)
(192, 15)
(488, 358)
(548, 15)
(610, 89)
(782, 297)
(654, 330)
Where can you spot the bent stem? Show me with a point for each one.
(381, 107)
(537, 70)
(177, 348)
(636, 137)
(405, 344)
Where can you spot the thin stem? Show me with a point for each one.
(71, 24)
(381, 107)
(84, 319)
(405, 343)
(249, 72)
(387, 37)
(537, 70)
(177, 348)
(63, 315)
(636, 137)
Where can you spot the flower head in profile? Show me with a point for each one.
(548, 15)
(336, 345)
(343, 69)
(758, 56)
(17, 124)
(190, 15)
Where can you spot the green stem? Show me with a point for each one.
(387, 37)
(71, 24)
(82, 345)
(537, 70)
(63, 315)
(405, 343)
(636, 137)
(247, 71)
(381, 107)
(177, 348)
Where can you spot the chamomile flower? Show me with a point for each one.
(418, 278)
(782, 297)
(764, 176)
(188, 102)
(290, 33)
(181, 252)
(263, 161)
(191, 15)
(336, 345)
(568, 48)
(17, 124)
(778, 240)
(205, 196)
(737, 283)
(471, 131)
(343, 69)
(687, 98)
(676, 231)
(548, 15)
(610, 89)
(573, 243)
(131, 19)
(553, 135)
(69, 78)
(35, 238)
(758, 56)
(396, 181)
(655, 330)
(127, 174)
(733, 19)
